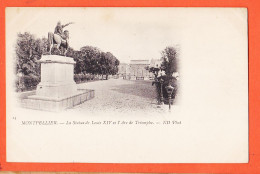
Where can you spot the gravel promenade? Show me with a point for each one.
(123, 96)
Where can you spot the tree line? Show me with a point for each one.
(90, 61)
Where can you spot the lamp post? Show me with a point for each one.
(169, 90)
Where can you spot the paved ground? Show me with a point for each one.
(122, 96)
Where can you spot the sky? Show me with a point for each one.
(128, 33)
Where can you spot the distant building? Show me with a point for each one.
(138, 68)
(155, 63)
(123, 69)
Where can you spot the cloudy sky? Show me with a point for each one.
(129, 33)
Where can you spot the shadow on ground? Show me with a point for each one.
(138, 88)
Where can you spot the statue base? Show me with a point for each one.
(57, 105)
(57, 89)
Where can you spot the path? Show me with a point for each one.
(122, 96)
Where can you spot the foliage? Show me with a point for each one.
(90, 60)
(28, 51)
(154, 70)
(165, 82)
(169, 64)
(27, 82)
(81, 78)
(93, 60)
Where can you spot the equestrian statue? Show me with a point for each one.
(59, 39)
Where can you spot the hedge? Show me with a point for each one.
(81, 78)
(30, 82)
(27, 82)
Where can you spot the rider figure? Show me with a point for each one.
(59, 30)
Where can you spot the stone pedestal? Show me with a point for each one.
(57, 89)
(57, 77)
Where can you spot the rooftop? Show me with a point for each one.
(139, 62)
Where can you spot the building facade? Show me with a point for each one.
(123, 69)
(155, 63)
(138, 69)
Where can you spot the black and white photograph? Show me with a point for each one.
(127, 85)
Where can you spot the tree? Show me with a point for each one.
(169, 66)
(28, 51)
(93, 60)
(88, 59)
(169, 57)
(91, 57)
(112, 64)
(78, 58)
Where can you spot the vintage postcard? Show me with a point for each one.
(126, 85)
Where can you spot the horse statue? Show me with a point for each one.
(55, 40)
